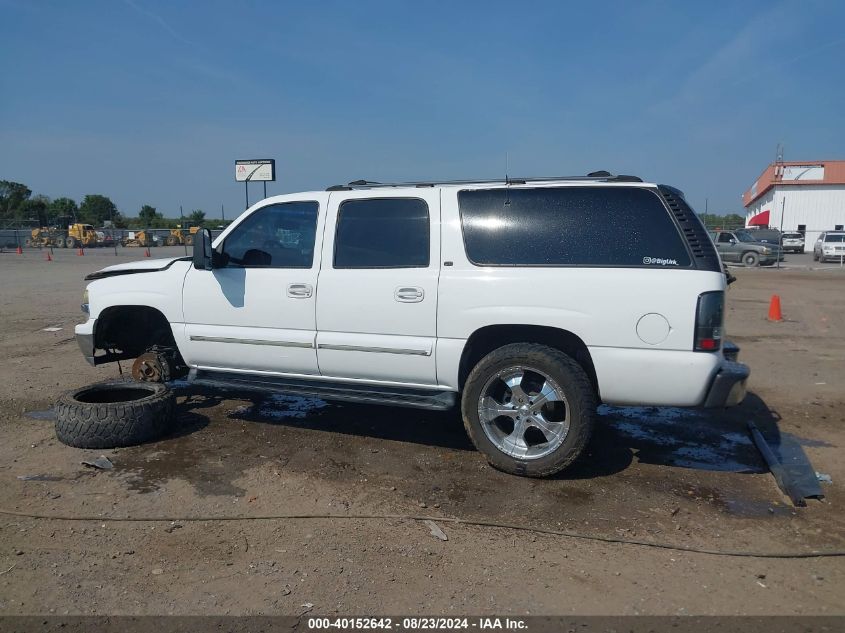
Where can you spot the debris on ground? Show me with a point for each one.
(824, 478)
(173, 528)
(436, 532)
(101, 463)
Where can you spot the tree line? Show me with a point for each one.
(18, 207)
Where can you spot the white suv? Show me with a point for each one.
(830, 245)
(529, 301)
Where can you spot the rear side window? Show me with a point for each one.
(382, 233)
(570, 226)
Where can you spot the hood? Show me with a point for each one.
(131, 268)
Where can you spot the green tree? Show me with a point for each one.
(61, 209)
(34, 211)
(12, 194)
(196, 217)
(96, 209)
(147, 215)
(727, 221)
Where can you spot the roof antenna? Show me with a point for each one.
(507, 183)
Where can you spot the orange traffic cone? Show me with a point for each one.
(80, 252)
(19, 251)
(774, 309)
(49, 257)
(147, 253)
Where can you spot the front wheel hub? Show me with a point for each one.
(149, 368)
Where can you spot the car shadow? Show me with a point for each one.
(709, 440)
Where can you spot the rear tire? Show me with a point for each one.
(108, 415)
(514, 442)
(750, 259)
(189, 240)
(170, 241)
(70, 242)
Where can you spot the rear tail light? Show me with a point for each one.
(709, 317)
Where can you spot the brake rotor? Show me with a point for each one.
(148, 368)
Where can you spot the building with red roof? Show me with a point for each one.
(803, 196)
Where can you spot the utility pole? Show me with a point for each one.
(780, 241)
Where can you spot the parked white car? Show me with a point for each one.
(830, 246)
(792, 242)
(527, 301)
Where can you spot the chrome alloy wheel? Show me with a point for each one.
(524, 412)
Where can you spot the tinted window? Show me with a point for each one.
(382, 233)
(276, 236)
(569, 226)
(725, 237)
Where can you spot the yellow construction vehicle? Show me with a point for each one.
(138, 238)
(74, 236)
(43, 236)
(178, 237)
(80, 235)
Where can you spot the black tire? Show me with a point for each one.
(564, 370)
(170, 240)
(189, 240)
(70, 242)
(751, 259)
(108, 415)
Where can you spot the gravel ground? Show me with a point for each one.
(688, 478)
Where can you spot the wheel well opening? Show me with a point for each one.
(132, 330)
(487, 339)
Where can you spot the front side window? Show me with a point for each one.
(382, 233)
(725, 237)
(275, 236)
(745, 236)
(570, 226)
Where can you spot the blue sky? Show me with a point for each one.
(151, 102)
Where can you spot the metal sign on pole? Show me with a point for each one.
(261, 169)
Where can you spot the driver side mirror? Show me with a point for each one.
(732, 241)
(202, 250)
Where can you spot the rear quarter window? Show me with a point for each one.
(570, 226)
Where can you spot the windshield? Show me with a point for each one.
(744, 236)
(834, 238)
(792, 236)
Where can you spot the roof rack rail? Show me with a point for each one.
(603, 176)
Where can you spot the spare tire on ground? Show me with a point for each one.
(108, 415)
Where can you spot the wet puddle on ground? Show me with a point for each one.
(687, 438)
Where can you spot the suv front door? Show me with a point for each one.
(728, 246)
(377, 301)
(257, 311)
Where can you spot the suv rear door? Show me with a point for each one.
(377, 295)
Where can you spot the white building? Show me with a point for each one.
(808, 197)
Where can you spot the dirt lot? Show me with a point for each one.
(663, 475)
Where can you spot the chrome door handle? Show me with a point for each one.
(300, 291)
(409, 294)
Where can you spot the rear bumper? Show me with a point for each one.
(729, 386)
